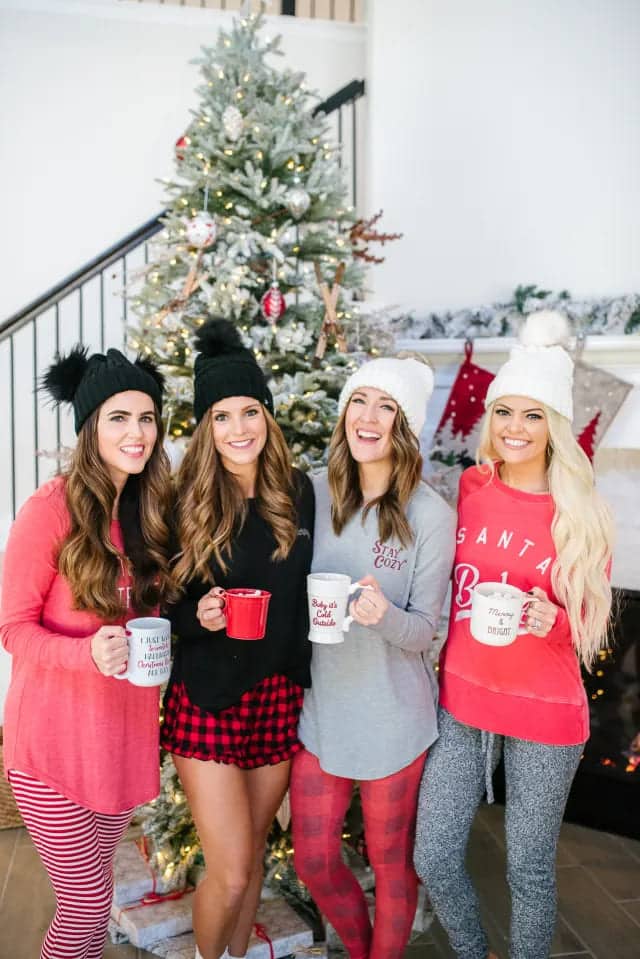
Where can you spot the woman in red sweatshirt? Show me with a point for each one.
(529, 517)
(87, 552)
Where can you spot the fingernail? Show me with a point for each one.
(128, 632)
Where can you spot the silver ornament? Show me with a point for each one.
(233, 122)
(298, 201)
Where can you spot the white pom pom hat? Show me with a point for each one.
(409, 382)
(539, 365)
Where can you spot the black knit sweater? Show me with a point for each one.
(215, 669)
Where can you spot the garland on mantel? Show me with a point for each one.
(611, 315)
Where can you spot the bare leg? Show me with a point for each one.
(218, 795)
(266, 787)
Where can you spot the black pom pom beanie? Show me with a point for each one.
(105, 375)
(224, 367)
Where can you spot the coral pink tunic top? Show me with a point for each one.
(90, 737)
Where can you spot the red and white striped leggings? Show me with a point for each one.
(77, 847)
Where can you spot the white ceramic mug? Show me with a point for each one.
(328, 595)
(496, 613)
(149, 660)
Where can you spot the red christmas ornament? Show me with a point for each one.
(273, 304)
(181, 144)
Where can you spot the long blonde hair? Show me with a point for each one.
(88, 558)
(582, 531)
(346, 492)
(211, 508)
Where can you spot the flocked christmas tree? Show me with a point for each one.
(257, 230)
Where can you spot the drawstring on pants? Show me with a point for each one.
(488, 745)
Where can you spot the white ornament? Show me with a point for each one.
(298, 201)
(233, 122)
(201, 230)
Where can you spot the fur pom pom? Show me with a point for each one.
(63, 377)
(545, 328)
(149, 367)
(218, 337)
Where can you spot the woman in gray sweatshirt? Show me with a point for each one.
(370, 714)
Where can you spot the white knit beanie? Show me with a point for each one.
(539, 365)
(409, 382)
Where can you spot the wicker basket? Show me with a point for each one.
(9, 815)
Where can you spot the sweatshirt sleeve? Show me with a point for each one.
(30, 568)
(413, 628)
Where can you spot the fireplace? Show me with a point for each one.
(606, 790)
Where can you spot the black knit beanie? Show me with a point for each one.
(86, 382)
(224, 367)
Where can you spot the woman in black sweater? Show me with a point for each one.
(244, 519)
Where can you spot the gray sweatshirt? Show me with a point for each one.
(371, 707)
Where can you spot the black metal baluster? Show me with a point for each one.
(102, 312)
(12, 421)
(353, 153)
(36, 424)
(57, 342)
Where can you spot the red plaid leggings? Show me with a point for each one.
(319, 803)
(77, 847)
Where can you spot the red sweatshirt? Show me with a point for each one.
(92, 738)
(531, 689)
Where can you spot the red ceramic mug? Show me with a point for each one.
(246, 612)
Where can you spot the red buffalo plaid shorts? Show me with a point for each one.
(259, 730)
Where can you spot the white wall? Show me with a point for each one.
(93, 95)
(504, 139)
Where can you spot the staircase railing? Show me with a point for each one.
(342, 10)
(88, 307)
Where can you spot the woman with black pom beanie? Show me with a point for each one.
(244, 520)
(87, 552)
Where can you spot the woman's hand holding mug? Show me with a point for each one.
(541, 613)
(110, 650)
(210, 610)
(371, 604)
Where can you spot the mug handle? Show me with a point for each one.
(125, 674)
(346, 623)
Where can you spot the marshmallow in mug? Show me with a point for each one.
(496, 613)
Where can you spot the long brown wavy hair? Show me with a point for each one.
(211, 508)
(88, 558)
(344, 482)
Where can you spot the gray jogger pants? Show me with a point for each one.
(538, 779)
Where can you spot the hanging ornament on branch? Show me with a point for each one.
(232, 122)
(298, 201)
(181, 145)
(273, 303)
(202, 230)
(330, 324)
